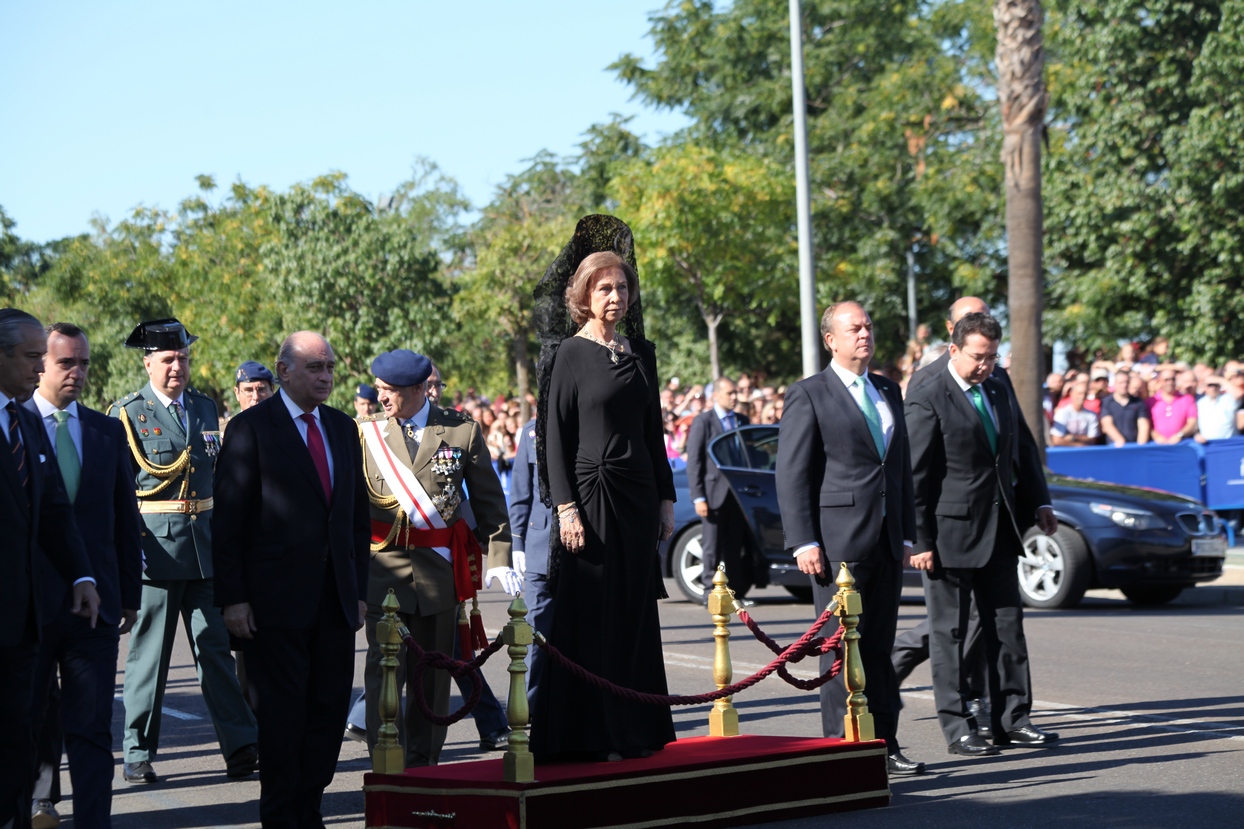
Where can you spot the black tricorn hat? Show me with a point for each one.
(160, 335)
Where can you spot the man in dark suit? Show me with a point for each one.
(94, 462)
(844, 489)
(971, 497)
(290, 538)
(722, 524)
(38, 521)
(530, 520)
(911, 647)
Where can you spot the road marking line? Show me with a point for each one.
(1103, 715)
(168, 712)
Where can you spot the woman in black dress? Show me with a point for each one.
(614, 495)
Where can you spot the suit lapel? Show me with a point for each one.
(999, 401)
(852, 413)
(883, 388)
(391, 431)
(430, 443)
(90, 442)
(959, 400)
(285, 435)
(163, 418)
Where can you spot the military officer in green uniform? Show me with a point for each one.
(172, 437)
(417, 458)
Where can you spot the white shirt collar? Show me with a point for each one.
(165, 400)
(46, 408)
(847, 376)
(4, 399)
(720, 412)
(295, 411)
(963, 384)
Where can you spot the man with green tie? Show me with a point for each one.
(171, 433)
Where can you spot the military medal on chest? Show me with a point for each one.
(211, 444)
(447, 461)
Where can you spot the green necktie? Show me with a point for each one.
(872, 416)
(67, 455)
(978, 402)
(174, 409)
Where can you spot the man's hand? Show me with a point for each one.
(85, 601)
(362, 615)
(1047, 522)
(810, 562)
(240, 620)
(906, 556)
(128, 618)
(701, 509)
(923, 561)
(519, 558)
(511, 581)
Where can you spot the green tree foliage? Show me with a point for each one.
(361, 279)
(520, 232)
(902, 141)
(1144, 198)
(713, 227)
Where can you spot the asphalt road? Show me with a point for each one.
(1149, 703)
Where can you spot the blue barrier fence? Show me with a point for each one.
(1211, 472)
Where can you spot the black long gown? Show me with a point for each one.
(605, 453)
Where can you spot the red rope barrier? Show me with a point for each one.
(821, 646)
(435, 659)
(794, 653)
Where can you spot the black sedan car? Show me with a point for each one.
(1150, 544)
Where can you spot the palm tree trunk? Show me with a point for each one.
(1020, 59)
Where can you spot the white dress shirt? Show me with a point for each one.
(848, 379)
(167, 401)
(296, 413)
(4, 415)
(419, 422)
(47, 411)
(967, 390)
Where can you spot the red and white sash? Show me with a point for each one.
(402, 482)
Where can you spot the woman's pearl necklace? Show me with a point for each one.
(615, 345)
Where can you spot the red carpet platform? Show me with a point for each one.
(708, 781)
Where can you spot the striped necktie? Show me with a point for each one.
(17, 451)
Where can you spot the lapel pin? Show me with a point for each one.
(144, 431)
(156, 430)
(142, 418)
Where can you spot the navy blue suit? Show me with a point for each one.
(530, 521)
(35, 518)
(106, 513)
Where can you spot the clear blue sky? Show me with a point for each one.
(106, 106)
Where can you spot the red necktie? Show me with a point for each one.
(315, 443)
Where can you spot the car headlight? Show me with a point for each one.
(1129, 518)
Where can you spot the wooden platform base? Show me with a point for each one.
(700, 781)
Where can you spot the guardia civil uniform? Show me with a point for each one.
(445, 450)
(173, 460)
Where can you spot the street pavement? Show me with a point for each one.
(1149, 703)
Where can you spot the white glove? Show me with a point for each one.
(511, 580)
(520, 561)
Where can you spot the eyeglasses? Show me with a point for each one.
(980, 361)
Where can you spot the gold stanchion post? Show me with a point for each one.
(518, 762)
(858, 722)
(723, 720)
(386, 757)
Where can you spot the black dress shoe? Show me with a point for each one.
(243, 762)
(1026, 735)
(496, 741)
(140, 772)
(896, 763)
(973, 745)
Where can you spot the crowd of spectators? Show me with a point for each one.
(1142, 396)
(760, 401)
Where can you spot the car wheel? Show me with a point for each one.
(688, 565)
(1054, 570)
(801, 592)
(1150, 595)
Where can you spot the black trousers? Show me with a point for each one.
(949, 593)
(87, 660)
(303, 678)
(17, 678)
(911, 647)
(723, 531)
(879, 580)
